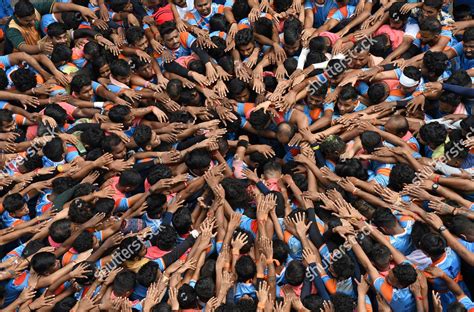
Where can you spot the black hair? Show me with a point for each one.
(133, 245)
(236, 87)
(219, 51)
(89, 276)
(227, 64)
(83, 242)
(343, 302)
(313, 302)
(430, 24)
(218, 22)
(65, 305)
(240, 9)
(71, 19)
(147, 273)
(244, 37)
(23, 79)
(412, 72)
(437, 4)
(333, 145)
(197, 66)
(110, 142)
(119, 113)
(318, 44)
(56, 29)
(92, 137)
(343, 266)
(60, 230)
(250, 240)
(348, 92)
(434, 133)
(380, 46)
(24, 8)
(433, 244)
(80, 81)
(263, 26)
(314, 57)
(245, 268)
(450, 98)
(187, 297)
(400, 175)
(80, 211)
(105, 205)
(351, 167)
(205, 288)
(380, 255)
(159, 172)
(124, 282)
(270, 83)
(120, 68)
(166, 238)
(377, 92)
(92, 48)
(383, 217)
(161, 307)
(456, 306)
(142, 135)
(370, 140)
(182, 221)
(3, 80)
(174, 88)
(134, 34)
(405, 274)
(61, 53)
(13, 202)
(290, 65)
(259, 119)
(118, 5)
(166, 28)
(42, 262)
(62, 184)
(130, 178)
(209, 269)
(295, 273)
(233, 193)
(291, 30)
(435, 62)
(460, 12)
(280, 251)
(56, 112)
(468, 34)
(54, 149)
(459, 78)
(395, 13)
(155, 204)
(198, 159)
(281, 5)
(32, 247)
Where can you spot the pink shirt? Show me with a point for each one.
(396, 36)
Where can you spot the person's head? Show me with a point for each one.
(347, 99)
(134, 247)
(174, 89)
(462, 227)
(233, 193)
(100, 67)
(219, 50)
(460, 78)
(121, 71)
(166, 238)
(147, 273)
(397, 125)
(7, 123)
(129, 180)
(56, 112)
(371, 140)
(245, 42)
(80, 211)
(259, 119)
(285, 132)
(218, 22)
(205, 288)
(88, 275)
(23, 79)
(198, 161)
(280, 251)
(468, 43)
(281, 5)
(456, 153)
(121, 6)
(314, 57)
(448, 102)
(182, 221)
(385, 220)
(72, 19)
(264, 27)
(360, 54)
(124, 283)
(121, 114)
(430, 30)
(316, 95)
(114, 145)
(197, 66)
(92, 138)
(44, 263)
(91, 51)
(81, 86)
(434, 64)
(332, 147)
(462, 12)
(104, 205)
(400, 175)
(146, 138)
(456, 307)
(15, 205)
(433, 134)
(292, 36)
(187, 297)
(342, 267)
(245, 268)
(402, 275)
(295, 273)
(240, 9)
(25, 13)
(57, 32)
(381, 46)
(61, 55)
(381, 256)
(238, 90)
(272, 169)
(54, 150)
(351, 167)
(378, 92)
(397, 19)
(318, 44)
(136, 38)
(431, 8)
(3, 80)
(65, 305)
(203, 7)
(142, 68)
(84, 242)
(343, 302)
(410, 79)
(60, 230)
(433, 245)
(170, 35)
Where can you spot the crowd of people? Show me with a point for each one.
(236, 155)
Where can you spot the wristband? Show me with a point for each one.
(194, 233)
(354, 191)
(99, 104)
(436, 179)
(420, 298)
